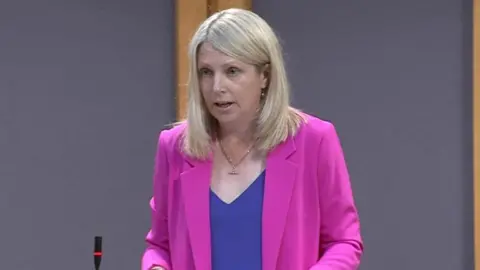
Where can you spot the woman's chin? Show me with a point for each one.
(226, 119)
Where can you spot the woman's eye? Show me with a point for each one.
(233, 71)
(205, 72)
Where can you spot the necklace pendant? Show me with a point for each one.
(233, 172)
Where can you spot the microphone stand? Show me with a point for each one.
(97, 252)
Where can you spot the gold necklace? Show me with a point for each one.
(230, 160)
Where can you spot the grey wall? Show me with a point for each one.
(395, 78)
(85, 86)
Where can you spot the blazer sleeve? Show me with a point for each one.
(157, 251)
(340, 240)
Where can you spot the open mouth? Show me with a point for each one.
(223, 105)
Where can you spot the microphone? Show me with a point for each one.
(97, 252)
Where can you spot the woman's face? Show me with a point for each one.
(231, 89)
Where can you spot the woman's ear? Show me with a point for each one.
(265, 76)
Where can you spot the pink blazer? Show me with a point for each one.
(310, 221)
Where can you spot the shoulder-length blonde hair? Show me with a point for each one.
(245, 36)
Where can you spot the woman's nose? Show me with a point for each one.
(218, 83)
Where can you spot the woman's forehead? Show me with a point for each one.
(208, 55)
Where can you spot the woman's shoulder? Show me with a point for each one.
(315, 128)
(317, 135)
(169, 137)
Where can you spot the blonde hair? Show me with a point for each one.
(245, 36)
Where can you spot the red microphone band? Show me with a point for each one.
(97, 253)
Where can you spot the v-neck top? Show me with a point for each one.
(236, 229)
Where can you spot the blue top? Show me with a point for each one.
(236, 229)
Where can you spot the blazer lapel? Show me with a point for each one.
(279, 184)
(195, 185)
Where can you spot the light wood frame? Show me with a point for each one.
(476, 129)
(189, 14)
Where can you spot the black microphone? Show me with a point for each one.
(97, 252)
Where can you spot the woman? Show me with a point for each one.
(247, 181)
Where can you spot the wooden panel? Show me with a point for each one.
(216, 5)
(476, 128)
(189, 15)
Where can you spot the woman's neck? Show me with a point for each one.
(237, 135)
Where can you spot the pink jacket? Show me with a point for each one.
(310, 221)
